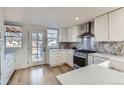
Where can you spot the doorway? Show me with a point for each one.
(36, 48)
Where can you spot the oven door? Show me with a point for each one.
(79, 61)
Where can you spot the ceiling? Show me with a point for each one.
(54, 17)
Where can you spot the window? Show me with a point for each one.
(52, 35)
(13, 36)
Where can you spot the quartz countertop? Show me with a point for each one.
(92, 75)
(111, 57)
(63, 49)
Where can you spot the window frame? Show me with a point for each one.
(57, 41)
(5, 37)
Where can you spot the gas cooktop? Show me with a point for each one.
(85, 51)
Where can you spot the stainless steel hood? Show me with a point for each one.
(88, 32)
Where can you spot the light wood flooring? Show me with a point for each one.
(38, 75)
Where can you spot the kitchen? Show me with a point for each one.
(50, 55)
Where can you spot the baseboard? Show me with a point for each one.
(57, 65)
(23, 67)
(69, 65)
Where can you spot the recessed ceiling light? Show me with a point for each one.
(76, 18)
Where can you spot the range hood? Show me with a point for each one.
(87, 30)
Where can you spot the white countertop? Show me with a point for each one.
(92, 75)
(63, 49)
(111, 57)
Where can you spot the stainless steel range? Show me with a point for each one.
(81, 58)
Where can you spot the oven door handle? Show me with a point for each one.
(80, 56)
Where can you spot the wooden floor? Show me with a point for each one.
(38, 75)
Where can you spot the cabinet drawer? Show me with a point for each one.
(98, 60)
(54, 52)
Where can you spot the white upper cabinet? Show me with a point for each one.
(72, 34)
(82, 29)
(69, 34)
(63, 35)
(101, 28)
(109, 27)
(116, 25)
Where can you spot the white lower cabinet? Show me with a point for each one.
(95, 59)
(8, 69)
(98, 60)
(70, 58)
(60, 56)
(90, 60)
(64, 56)
(55, 57)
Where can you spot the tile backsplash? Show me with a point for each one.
(87, 43)
(115, 48)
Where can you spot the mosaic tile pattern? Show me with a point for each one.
(87, 43)
(114, 48)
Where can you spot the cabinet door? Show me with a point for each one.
(60, 60)
(53, 58)
(64, 56)
(90, 60)
(70, 58)
(69, 35)
(98, 60)
(72, 34)
(57, 57)
(82, 29)
(116, 25)
(101, 28)
(63, 35)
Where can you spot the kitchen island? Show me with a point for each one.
(92, 75)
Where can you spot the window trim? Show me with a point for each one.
(56, 38)
(13, 36)
(13, 47)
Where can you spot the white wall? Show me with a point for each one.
(22, 53)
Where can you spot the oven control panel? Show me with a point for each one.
(82, 55)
